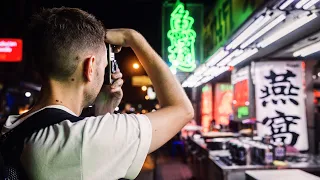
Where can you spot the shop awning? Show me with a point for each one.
(279, 24)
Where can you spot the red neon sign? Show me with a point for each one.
(241, 99)
(206, 107)
(223, 103)
(241, 93)
(10, 50)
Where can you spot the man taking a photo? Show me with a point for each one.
(68, 48)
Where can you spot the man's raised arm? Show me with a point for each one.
(176, 109)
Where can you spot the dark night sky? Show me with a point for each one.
(141, 15)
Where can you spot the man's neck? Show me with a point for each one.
(60, 94)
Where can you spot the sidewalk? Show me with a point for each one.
(167, 168)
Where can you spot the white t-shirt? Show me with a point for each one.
(106, 147)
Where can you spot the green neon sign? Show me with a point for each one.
(181, 52)
(223, 21)
(243, 111)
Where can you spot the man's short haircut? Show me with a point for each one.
(58, 35)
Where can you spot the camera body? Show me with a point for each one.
(111, 67)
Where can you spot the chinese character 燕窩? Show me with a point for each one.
(280, 127)
(280, 86)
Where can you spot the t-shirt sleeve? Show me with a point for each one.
(145, 136)
(115, 144)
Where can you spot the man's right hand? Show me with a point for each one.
(120, 37)
(176, 109)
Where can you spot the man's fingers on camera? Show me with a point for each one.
(115, 90)
(116, 75)
(117, 83)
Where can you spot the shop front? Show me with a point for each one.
(257, 91)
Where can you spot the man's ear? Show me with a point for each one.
(88, 68)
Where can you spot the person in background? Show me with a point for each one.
(212, 125)
(68, 47)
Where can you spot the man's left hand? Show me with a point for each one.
(115, 89)
(110, 95)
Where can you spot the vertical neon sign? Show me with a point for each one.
(241, 99)
(206, 107)
(181, 52)
(242, 104)
(223, 103)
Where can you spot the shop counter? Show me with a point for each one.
(207, 164)
(288, 174)
(218, 169)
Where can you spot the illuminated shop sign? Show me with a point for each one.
(280, 102)
(223, 103)
(241, 99)
(206, 107)
(243, 94)
(181, 36)
(223, 21)
(10, 50)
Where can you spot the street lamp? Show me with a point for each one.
(144, 88)
(135, 66)
(27, 94)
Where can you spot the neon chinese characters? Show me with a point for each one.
(182, 38)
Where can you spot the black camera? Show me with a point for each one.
(112, 65)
